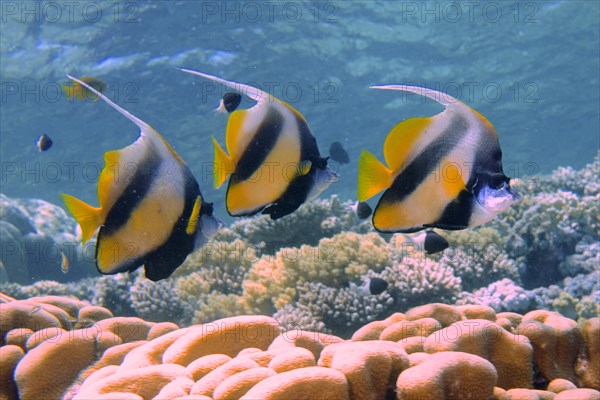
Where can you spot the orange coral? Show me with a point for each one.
(25, 314)
(236, 385)
(18, 337)
(202, 366)
(208, 383)
(511, 354)
(475, 311)
(556, 342)
(151, 353)
(10, 355)
(578, 394)
(94, 313)
(146, 382)
(312, 341)
(448, 376)
(369, 366)
(47, 370)
(312, 383)
(405, 329)
(444, 313)
(226, 336)
(588, 365)
(372, 330)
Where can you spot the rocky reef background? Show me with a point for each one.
(543, 253)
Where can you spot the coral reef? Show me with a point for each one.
(310, 223)
(434, 351)
(304, 270)
(34, 236)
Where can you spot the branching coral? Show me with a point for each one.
(547, 231)
(309, 224)
(290, 317)
(503, 295)
(158, 301)
(479, 258)
(342, 310)
(210, 280)
(420, 280)
(272, 280)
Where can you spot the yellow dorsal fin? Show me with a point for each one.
(401, 141)
(88, 217)
(192, 225)
(108, 176)
(223, 166)
(234, 131)
(373, 176)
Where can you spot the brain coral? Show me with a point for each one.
(248, 357)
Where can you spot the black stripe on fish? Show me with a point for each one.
(425, 163)
(457, 213)
(259, 147)
(308, 142)
(161, 263)
(298, 190)
(133, 194)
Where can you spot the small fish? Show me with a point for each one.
(64, 263)
(229, 102)
(44, 142)
(151, 209)
(429, 240)
(273, 158)
(444, 171)
(75, 90)
(338, 153)
(363, 210)
(370, 287)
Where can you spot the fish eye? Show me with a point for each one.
(497, 181)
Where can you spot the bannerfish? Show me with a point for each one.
(429, 240)
(44, 142)
(75, 90)
(370, 287)
(338, 153)
(229, 103)
(362, 210)
(272, 157)
(444, 171)
(151, 210)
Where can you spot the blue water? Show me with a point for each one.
(531, 67)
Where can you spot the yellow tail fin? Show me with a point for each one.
(223, 166)
(87, 217)
(373, 176)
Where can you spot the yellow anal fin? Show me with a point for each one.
(192, 224)
(373, 176)
(302, 169)
(223, 166)
(402, 140)
(87, 217)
